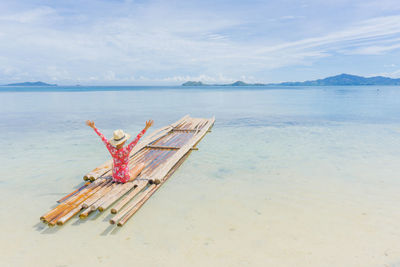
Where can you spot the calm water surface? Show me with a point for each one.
(288, 177)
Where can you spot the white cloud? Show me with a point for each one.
(29, 16)
(365, 32)
(374, 50)
(157, 42)
(392, 74)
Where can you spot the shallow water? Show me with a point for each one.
(288, 177)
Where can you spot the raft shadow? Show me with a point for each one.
(51, 230)
(40, 226)
(78, 221)
(44, 229)
(108, 217)
(94, 215)
(108, 230)
(112, 229)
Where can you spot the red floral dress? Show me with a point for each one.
(120, 157)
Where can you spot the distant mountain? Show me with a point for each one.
(342, 79)
(347, 79)
(237, 83)
(192, 83)
(31, 84)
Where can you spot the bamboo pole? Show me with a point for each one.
(157, 134)
(126, 188)
(185, 148)
(89, 201)
(127, 208)
(143, 155)
(49, 215)
(73, 203)
(72, 193)
(158, 157)
(107, 200)
(134, 208)
(73, 211)
(108, 196)
(130, 209)
(161, 157)
(176, 136)
(164, 138)
(63, 216)
(85, 213)
(112, 198)
(127, 198)
(105, 175)
(138, 155)
(96, 204)
(159, 162)
(100, 170)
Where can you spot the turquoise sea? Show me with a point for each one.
(289, 176)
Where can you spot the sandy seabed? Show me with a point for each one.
(255, 194)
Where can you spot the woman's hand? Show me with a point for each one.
(90, 124)
(149, 123)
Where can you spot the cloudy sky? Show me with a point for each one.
(168, 42)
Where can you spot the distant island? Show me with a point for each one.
(342, 79)
(30, 84)
(238, 83)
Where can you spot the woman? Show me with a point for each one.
(120, 154)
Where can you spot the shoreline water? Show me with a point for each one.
(105, 88)
(286, 178)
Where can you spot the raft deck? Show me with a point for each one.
(162, 152)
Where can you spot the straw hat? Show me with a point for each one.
(119, 137)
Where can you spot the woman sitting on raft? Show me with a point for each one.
(120, 154)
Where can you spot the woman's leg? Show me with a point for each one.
(135, 171)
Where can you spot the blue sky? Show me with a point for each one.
(169, 42)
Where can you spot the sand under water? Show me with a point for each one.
(288, 177)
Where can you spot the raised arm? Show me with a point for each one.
(149, 123)
(105, 141)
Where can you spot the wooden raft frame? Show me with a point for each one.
(163, 151)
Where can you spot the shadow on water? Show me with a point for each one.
(108, 217)
(111, 229)
(40, 226)
(94, 215)
(51, 230)
(108, 230)
(116, 230)
(45, 229)
(78, 221)
(60, 195)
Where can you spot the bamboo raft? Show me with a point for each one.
(162, 152)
